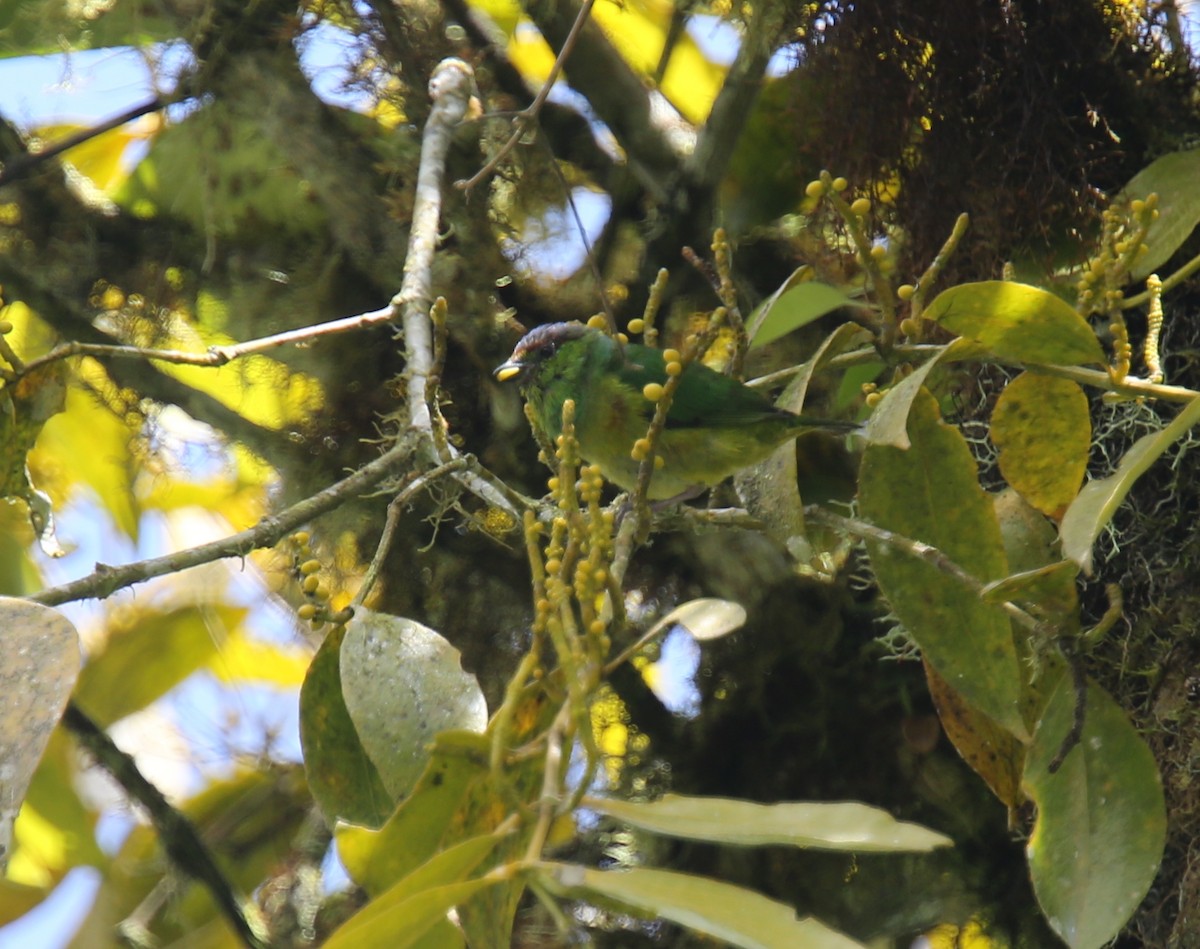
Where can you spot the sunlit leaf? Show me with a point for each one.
(344, 781)
(377, 859)
(837, 826)
(931, 494)
(87, 444)
(374, 924)
(1096, 504)
(243, 659)
(1173, 178)
(725, 912)
(402, 684)
(1101, 821)
(148, 652)
(1042, 427)
(706, 618)
(795, 304)
(1017, 321)
(401, 925)
(38, 667)
(638, 30)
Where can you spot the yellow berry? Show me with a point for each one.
(598, 322)
(910, 327)
(652, 391)
(5, 327)
(301, 538)
(861, 207)
(636, 325)
(840, 184)
(814, 189)
(673, 368)
(878, 251)
(905, 291)
(310, 567)
(306, 611)
(622, 338)
(310, 584)
(552, 484)
(596, 627)
(1137, 205)
(873, 399)
(671, 355)
(553, 565)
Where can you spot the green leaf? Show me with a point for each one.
(1017, 321)
(376, 859)
(148, 653)
(374, 922)
(795, 304)
(729, 913)
(1042, 428)
(1173, 178)
(841, 826)
(38, 667)
(931, 494)
(401, 925)
(1096, 504)
(402, 684)
(343, 780)
(888, 424)
(1101, 822)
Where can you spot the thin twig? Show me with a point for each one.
(395, 509)
(528, 116)
(267, 532)
(215, 356)
(178, 834)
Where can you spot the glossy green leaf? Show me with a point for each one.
(38, 667)
(1101, 823)
(1017, 321)
(1173, 178)
(1042, 428)
(342, 777)
(376, 859)
(796, 303)
(402, 684)
(375, 922)
(734, 915)
(1096, 504)
(148, 653)
(839, 826)
(931, 494)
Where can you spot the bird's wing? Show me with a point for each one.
(704, 397)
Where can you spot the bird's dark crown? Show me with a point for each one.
(541, 342)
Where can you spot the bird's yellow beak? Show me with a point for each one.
(507, 370)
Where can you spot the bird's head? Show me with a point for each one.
(537, 348)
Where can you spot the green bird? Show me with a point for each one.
(715, 425)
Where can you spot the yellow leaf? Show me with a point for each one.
(88, 445)
(243, 659)
(638, 30)
(1043, 430)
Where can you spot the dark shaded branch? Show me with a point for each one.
(178, 834)
(26, 161)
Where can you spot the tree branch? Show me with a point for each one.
(178, 834)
